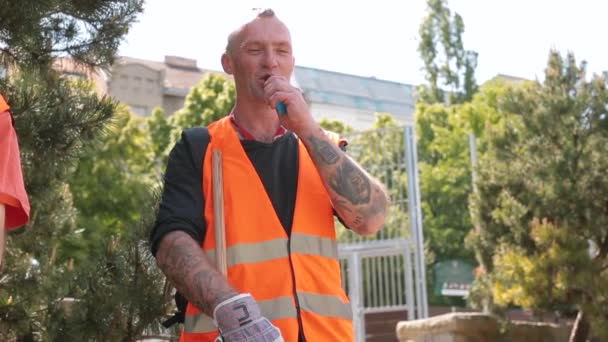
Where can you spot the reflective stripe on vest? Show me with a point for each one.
(272, 309)
(280, 308)
(246, 253)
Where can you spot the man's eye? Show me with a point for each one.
(254, 50)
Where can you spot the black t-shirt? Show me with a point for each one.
(182, 204)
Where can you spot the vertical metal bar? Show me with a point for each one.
(412, 217)
(376, 282)
(402, 195)
(387, 273)
(394, 271)
(368, 282)
(385, 166)
(409, 283)
(380, 277)
(473, 147)
(354, 265)
(401, 280)
(420, 235)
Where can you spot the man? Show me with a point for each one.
(14, 203)
(283, 180)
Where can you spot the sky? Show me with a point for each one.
(379, 38)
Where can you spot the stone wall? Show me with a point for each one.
(478, 327)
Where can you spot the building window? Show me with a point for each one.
(139, 110)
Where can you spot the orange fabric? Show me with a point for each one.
(4, 107)
(320, 328)
(251, 218)
(282, 324)
(12, 189)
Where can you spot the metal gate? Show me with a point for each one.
(386, 272)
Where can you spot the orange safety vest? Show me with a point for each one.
(284, 274)
(12, 190)
(3, 105)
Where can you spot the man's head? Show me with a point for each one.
(257, 50)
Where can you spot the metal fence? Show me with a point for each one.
(385, 272)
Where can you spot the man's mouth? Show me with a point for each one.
(265, 78)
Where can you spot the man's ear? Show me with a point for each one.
(227, 63)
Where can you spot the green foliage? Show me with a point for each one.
(380, 152)
(541, 195)
(125, 299)
(113, 177)
(208, 101)
(335, 126)
(160, 131)
(35, 32)
(443, 134)
(448, 66)
(57, 120)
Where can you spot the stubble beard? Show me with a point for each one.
(257, 91)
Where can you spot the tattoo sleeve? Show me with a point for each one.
(360, 200)
(190, 271)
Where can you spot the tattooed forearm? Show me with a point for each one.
(324, 149)
(191, 272)
(359, 200)
(351, 183)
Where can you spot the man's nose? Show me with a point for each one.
(270, 59)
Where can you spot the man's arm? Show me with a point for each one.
(359, 199)
(187, 267)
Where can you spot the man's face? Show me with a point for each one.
(263, 49)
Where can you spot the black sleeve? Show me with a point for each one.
(181, 205)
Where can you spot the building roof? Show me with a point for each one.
(181, 74)
(509, 78)
(366, 93)
(320, 86)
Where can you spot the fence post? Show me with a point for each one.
(355, 277)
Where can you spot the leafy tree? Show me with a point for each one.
(208, 101)
(445, 171)
(541, 198)
(443, 131)
(448, 66)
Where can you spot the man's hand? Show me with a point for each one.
(239, 319)
(298, 118)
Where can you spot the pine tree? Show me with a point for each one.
(55, 118)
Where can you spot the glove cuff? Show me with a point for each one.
(235, 312)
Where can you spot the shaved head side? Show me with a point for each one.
(233, 38)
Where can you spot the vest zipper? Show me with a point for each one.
(301, 337)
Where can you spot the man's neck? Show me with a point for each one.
(260, 120)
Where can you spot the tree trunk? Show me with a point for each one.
(580, 330)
